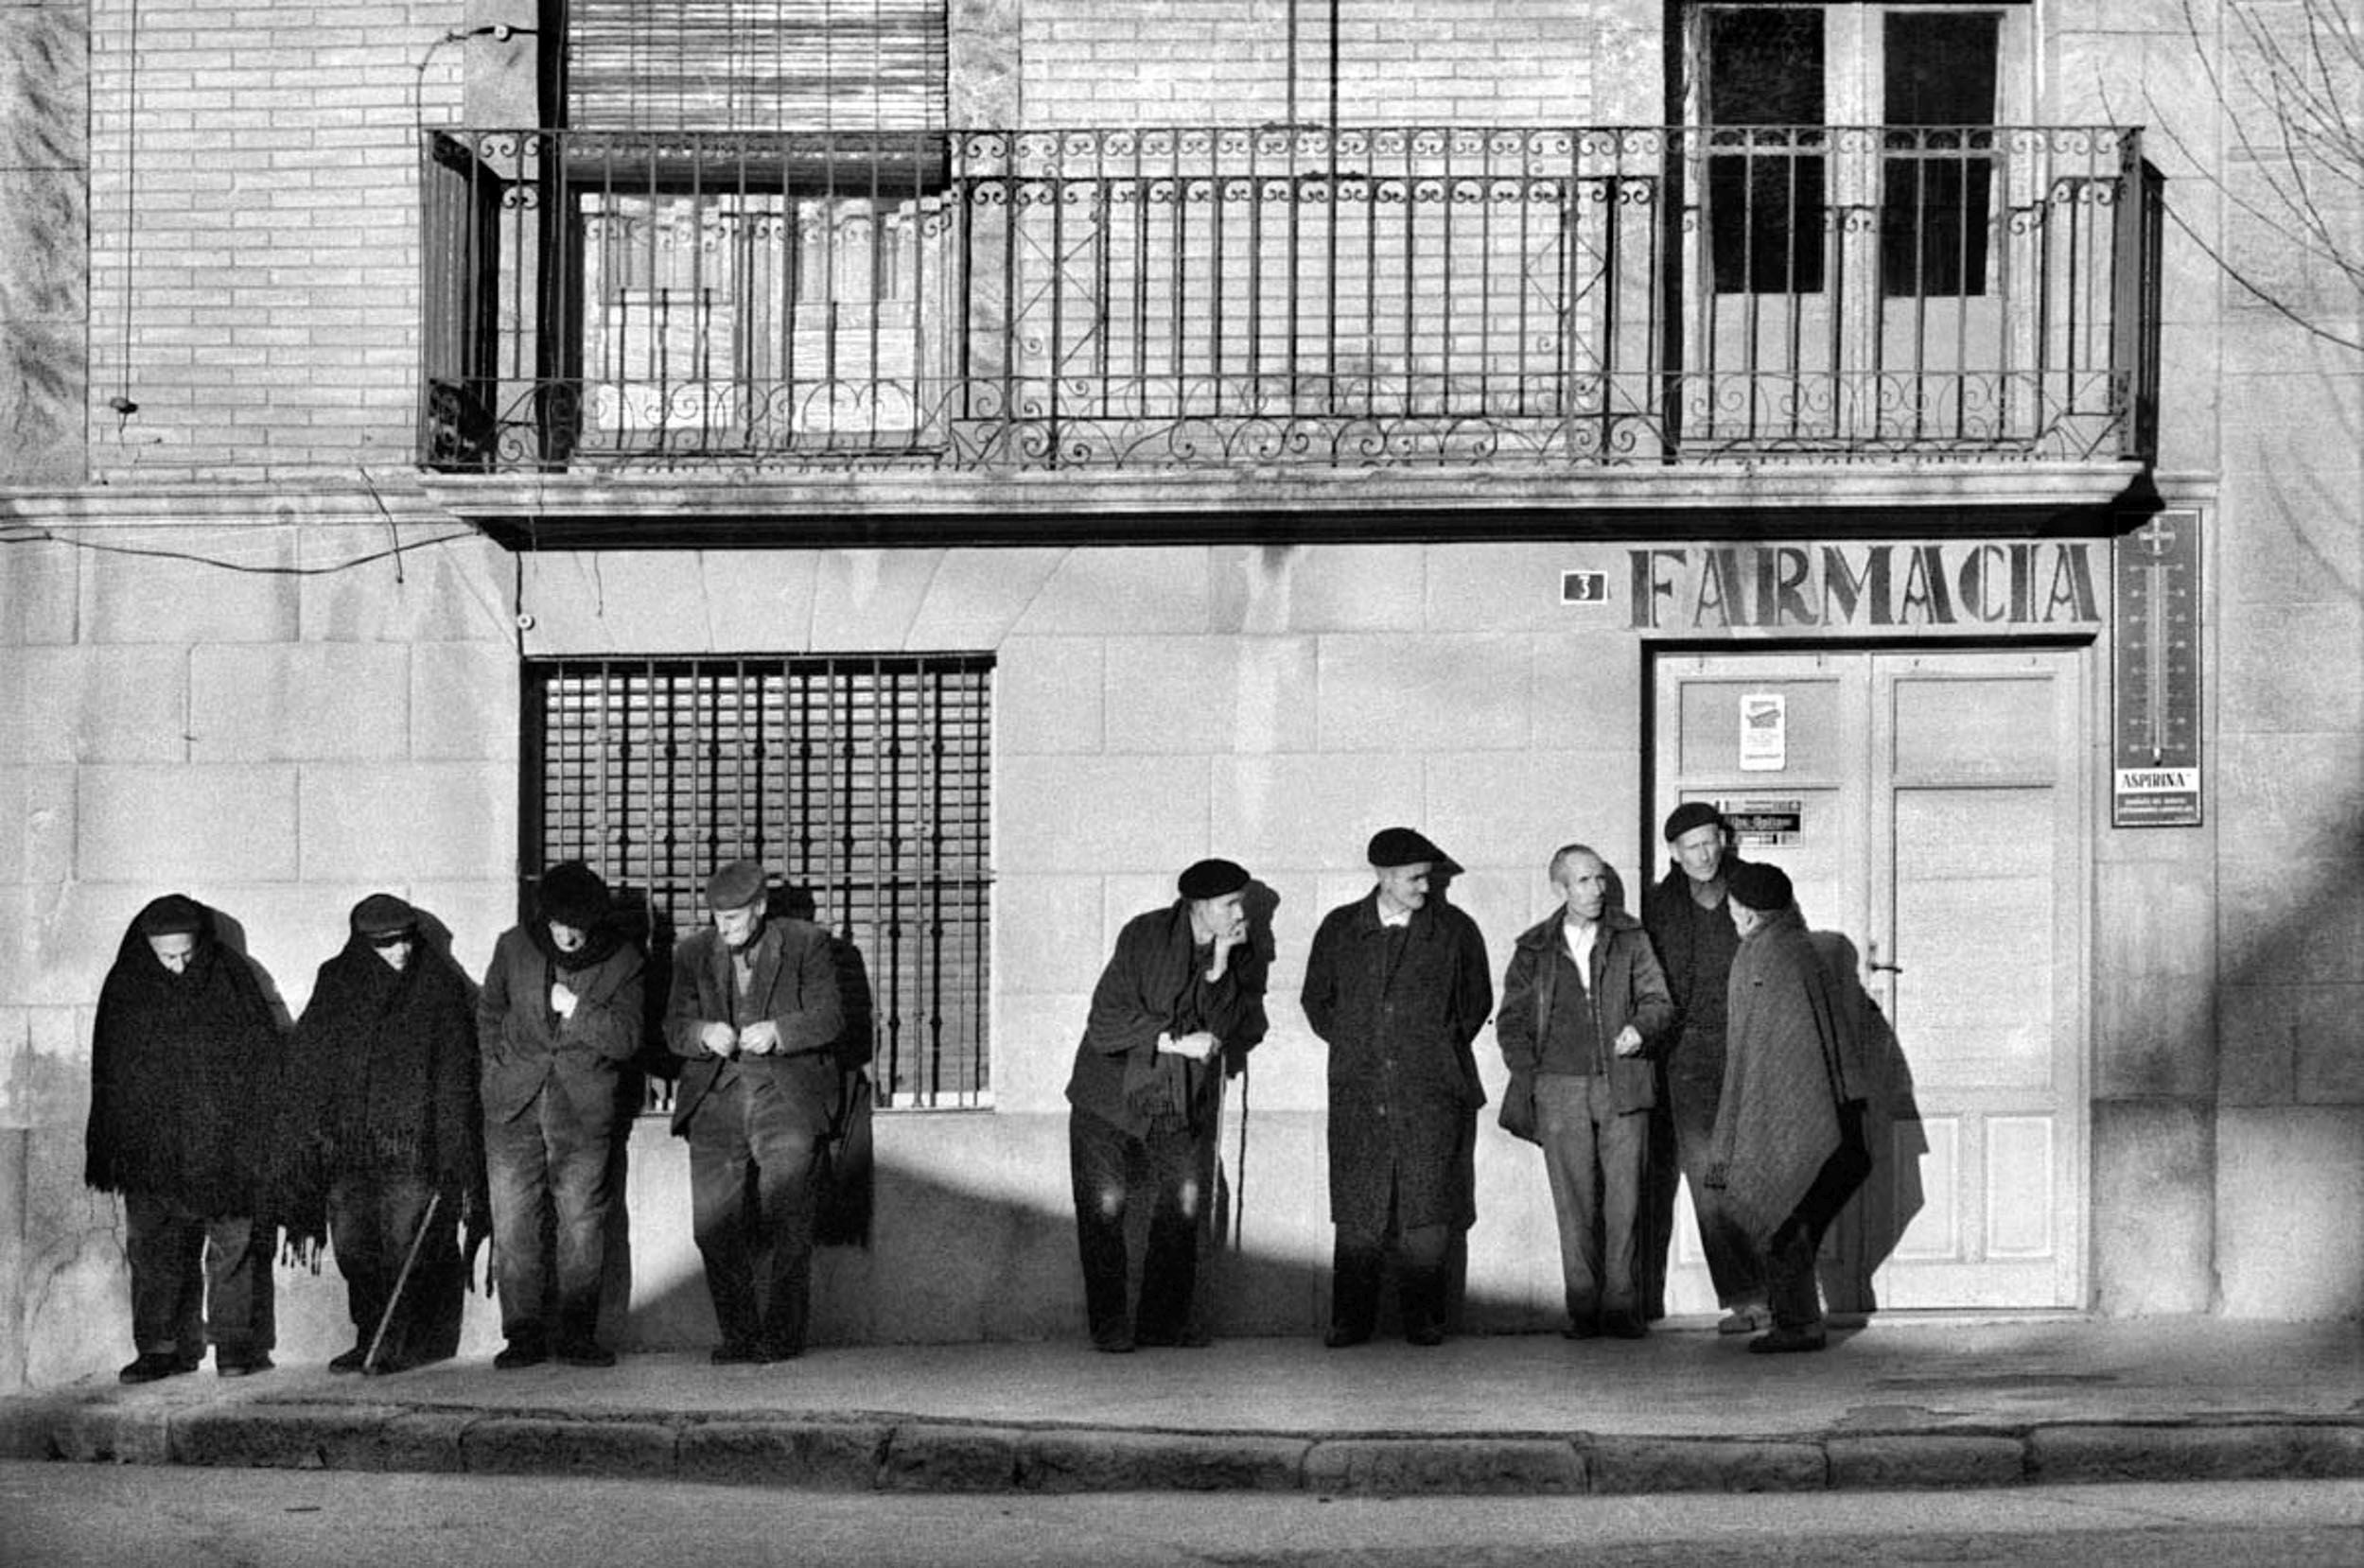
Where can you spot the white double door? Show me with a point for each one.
(1929, 809)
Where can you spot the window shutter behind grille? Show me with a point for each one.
(756, 64)
(863, 779)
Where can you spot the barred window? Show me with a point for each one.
(756, 64)
(861, 781)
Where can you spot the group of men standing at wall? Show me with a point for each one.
(1714, 994)
(404, 1124)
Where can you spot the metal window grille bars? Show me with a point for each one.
(1219, 296)
(861, 781)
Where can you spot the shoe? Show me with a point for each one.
(151, 1365)
(1342, 1338)
(1424, 1334)
(1623, 1325)
(1182, 1339)
(520, 1353)
(1117, 1340)
(737, 1355)
(1588, 1329)
(386, 1365)
(242, 1365)
(1748, 1319)
(1788, 1342)
(350, 1362)
(588, 1353)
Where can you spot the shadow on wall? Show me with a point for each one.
(1874, 1221)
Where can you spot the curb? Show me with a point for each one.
(890, 1453)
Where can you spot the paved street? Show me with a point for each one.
(108, 1516)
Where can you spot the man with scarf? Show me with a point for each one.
(1784, 1162)
(1177, 1006)
(1396, 985)
(756, 1011)
(382, 1139)
(184, 1062)
(1693, 934)
(559, 1015)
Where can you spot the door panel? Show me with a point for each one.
(1939, 858)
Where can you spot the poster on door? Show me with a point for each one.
(1764, 732)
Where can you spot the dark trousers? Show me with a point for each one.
(1733, 1265)
(373, 1219)
(754, 1182)
(553, 1180)
(1105, 1163)
(197, 1278)
(1790, 1285)
(1592, 1156)
(1359, 1268)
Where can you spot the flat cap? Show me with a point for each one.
(384, 914)
(572, 893)
(1391, 847)
(174, 915)
(1212, 879)
(1762, 887)
(736, 886)
(1690, 815)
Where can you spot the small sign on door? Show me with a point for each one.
(1764, 732)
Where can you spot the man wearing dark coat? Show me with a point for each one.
(1777, 1153)
(1693, 934)
(1176, 1008)
(1397, 985)
(559, 1015)
(757, 1013)
(1583, 1005)
(184, 1066)
(382, 1137)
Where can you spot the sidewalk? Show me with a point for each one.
(1902, 1404)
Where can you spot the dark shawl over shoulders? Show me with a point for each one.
(183, 1072)
(382, 1076)
(1779, 1120)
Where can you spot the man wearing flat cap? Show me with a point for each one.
(382, 1139)
(756, 1014)
(1788, 1151)
(559, 1016)
(1684, 913)
(1396, 985)
(1176, 1008)
(184, 1058)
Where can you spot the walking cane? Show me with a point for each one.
(393, 1298)
(1239, 1164)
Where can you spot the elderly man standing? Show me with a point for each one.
(559, 1015)
(1177, 1007)
(1581, 1006)
(756, 1011)
(184, 1061)
(1397, 985)
(1694, 937)
(1783, 1158)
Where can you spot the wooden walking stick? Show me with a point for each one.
(393, 1298)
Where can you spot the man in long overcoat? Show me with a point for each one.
(1397, 985)
(559, 1016)
(1779, 1152)
(757, 1013)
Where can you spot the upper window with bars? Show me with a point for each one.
(856, 65)
(862, 781)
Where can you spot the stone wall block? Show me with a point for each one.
(149, 599)
(1135, 592)
(84, 703)
(1171, 694)
(1048, 696)
(1303, 813)
(442, 819)
(1454, 692)
(2329, 1035)
(300, 702)
(863, 599)
(164, 828)
(2289, 1192)
(2261, 688)
(463, 701)
(42, 834)
(2154, 1222)
(1097, 813)
(1049, 934)
(456, 591)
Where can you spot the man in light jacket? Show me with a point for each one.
(1583, 1005)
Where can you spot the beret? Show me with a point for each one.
(384, 914)
(1762, 887)
(1212, 879)
(736, 886)
(174, 915)
(1690, 815)
(1393, 846)
(572, 894)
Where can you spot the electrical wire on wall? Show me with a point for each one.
(121, 402)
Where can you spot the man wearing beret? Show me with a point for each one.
(1781, 1158)
(756, 1014)
(1178, 1006)
(1396, 985)
(1684, 913)
(559, 1015)
(1582, 1005)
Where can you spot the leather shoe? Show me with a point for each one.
(350, 1362)
(1425, 1333)
(737, 1355)
(238, 1367)
(520, 1353)
(151, 1365)
(1623, 1325)
(1788, 1342)
(1341, 1338)
(588, 1353)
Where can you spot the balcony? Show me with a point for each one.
(1544, 303)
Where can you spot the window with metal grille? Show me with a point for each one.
(756, 64)
(862, 780)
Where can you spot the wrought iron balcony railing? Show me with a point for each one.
(1185, 298)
